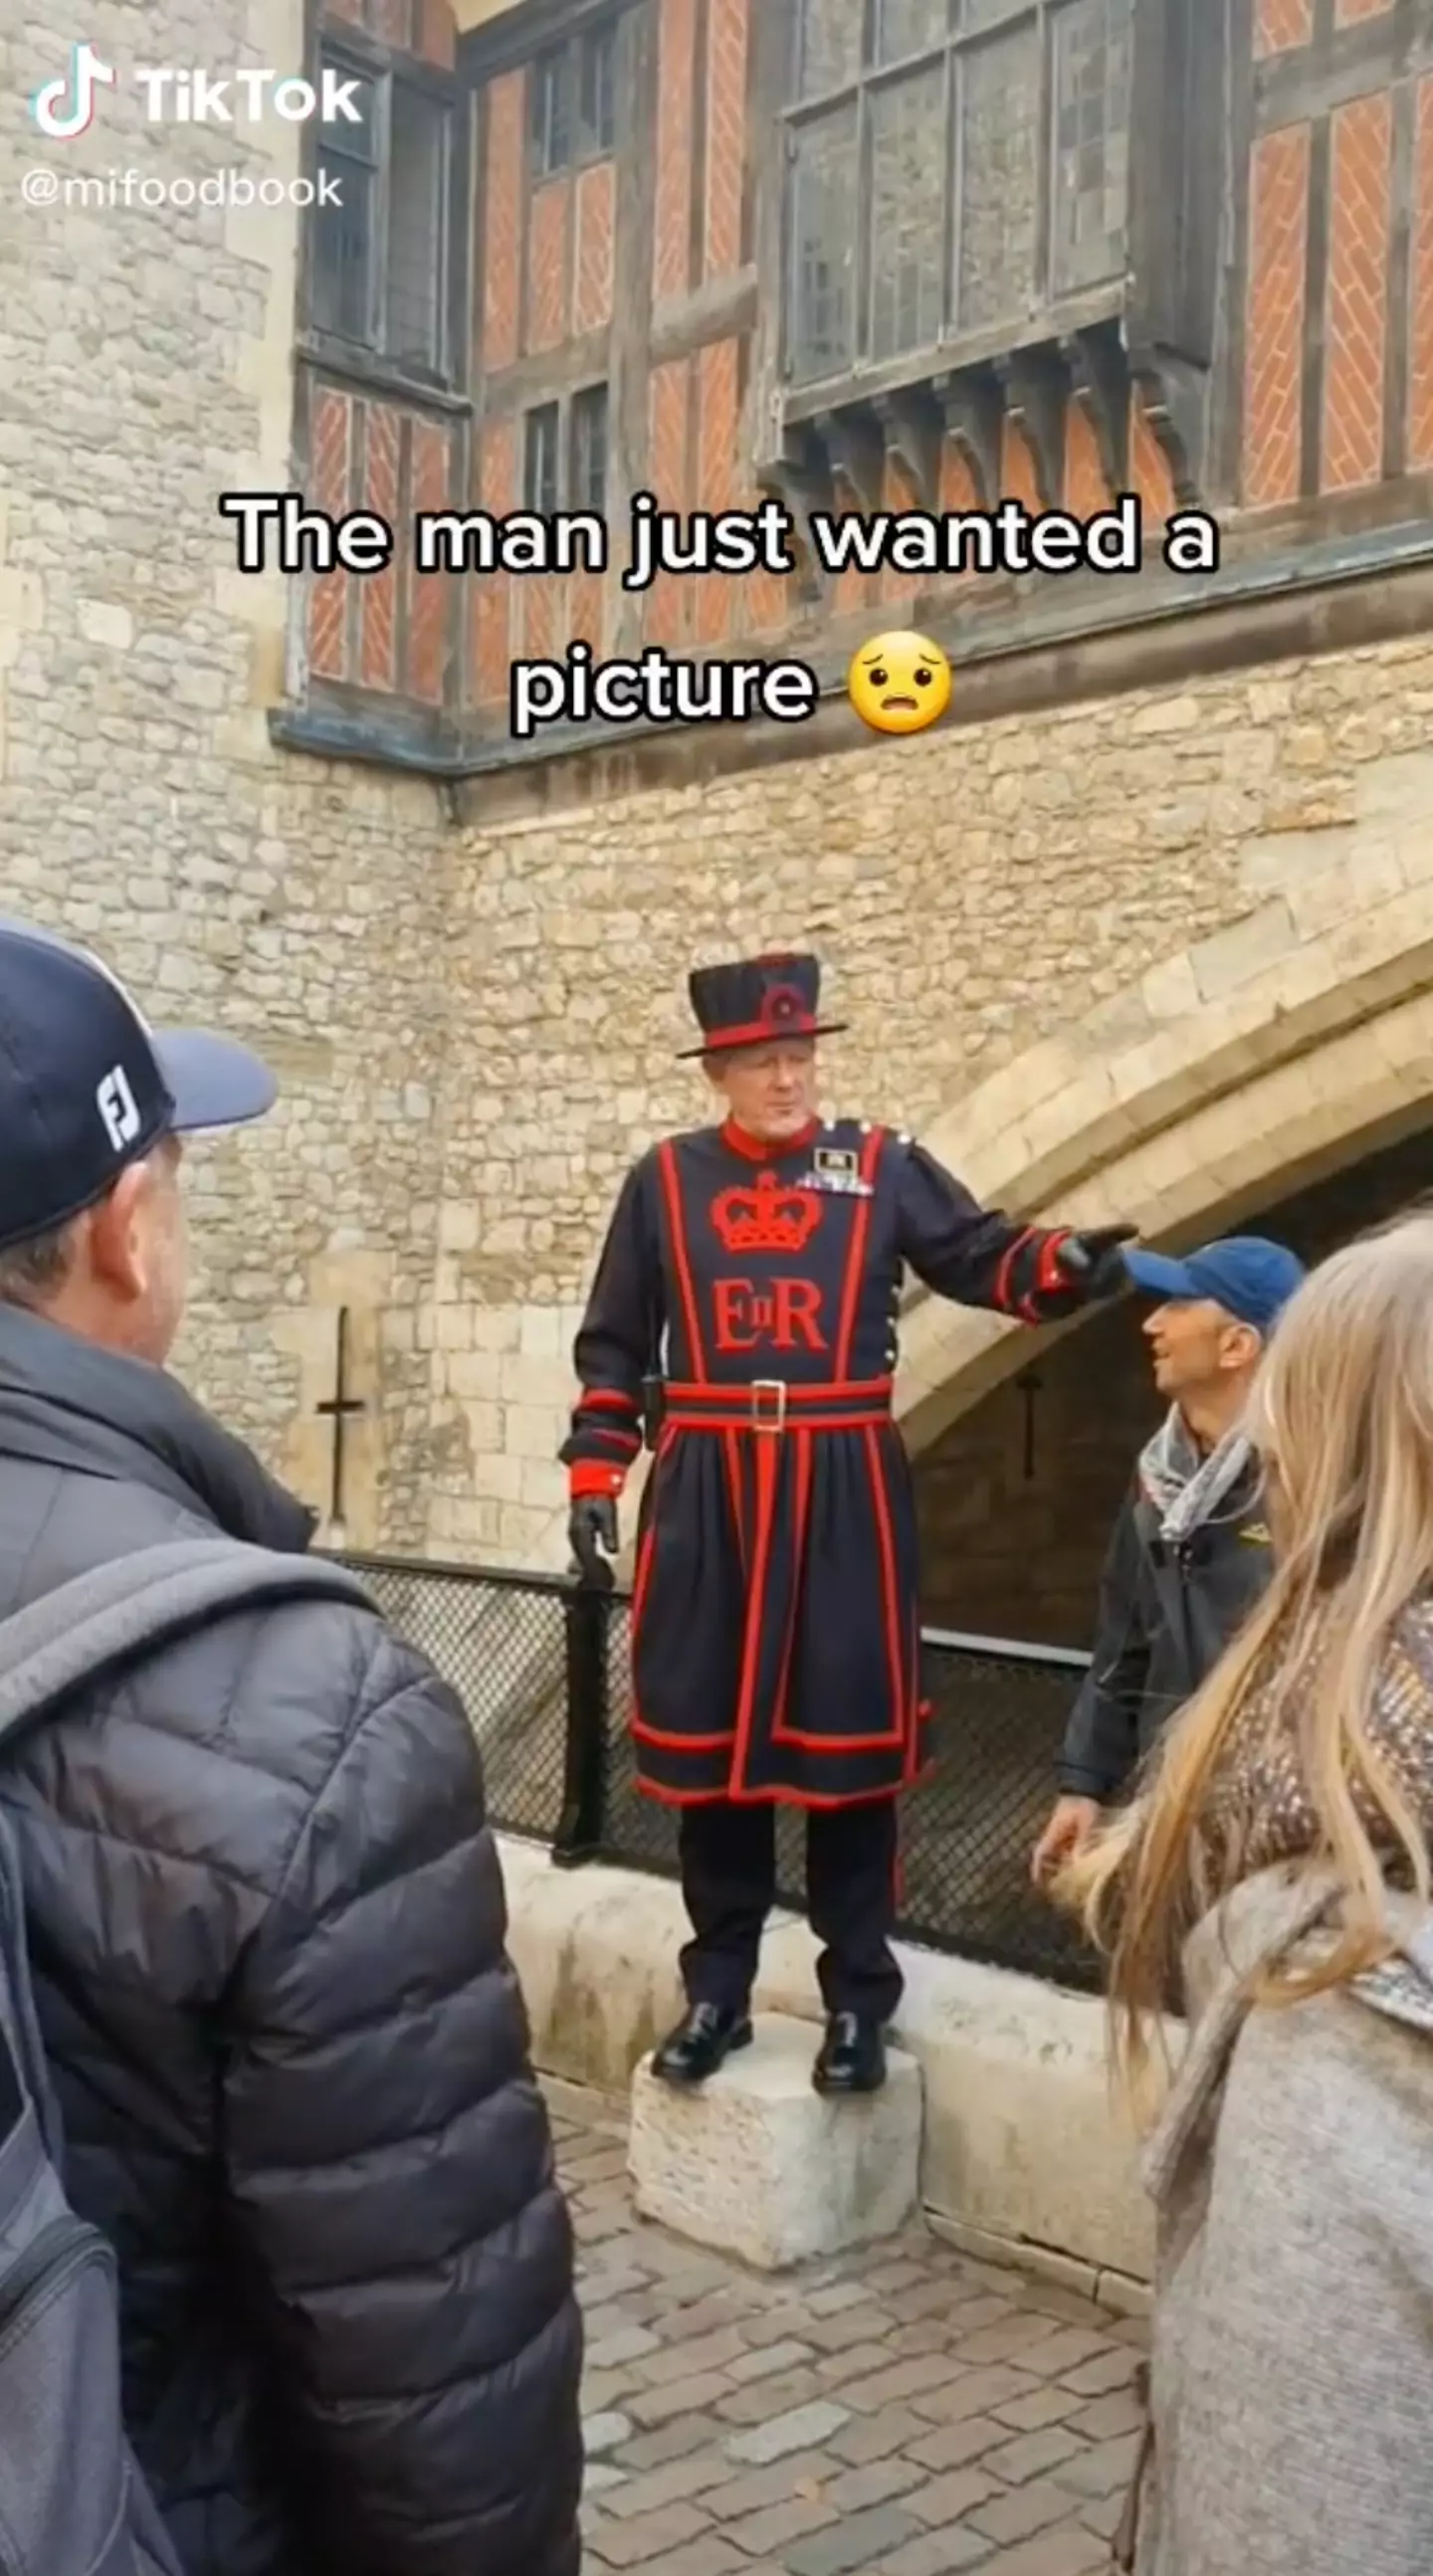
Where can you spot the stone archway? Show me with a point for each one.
(1283, 1046)
(1017, 1500)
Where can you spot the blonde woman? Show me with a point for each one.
(1274, 1873)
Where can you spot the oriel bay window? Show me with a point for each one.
(955, 168)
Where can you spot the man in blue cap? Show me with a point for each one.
(1190, 1552)
(265, 1910)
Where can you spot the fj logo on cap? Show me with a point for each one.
(118, 1109)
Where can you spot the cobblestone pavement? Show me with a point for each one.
(899, 2412)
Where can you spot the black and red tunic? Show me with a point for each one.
(775, 1614)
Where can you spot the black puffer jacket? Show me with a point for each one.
(1166, 1615)
(267, 1926)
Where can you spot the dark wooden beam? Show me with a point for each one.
(800, 476)
(972, 349)
(1155, 196)
(751, 146)
(697, 171)
(799, 466)
(1037, 388)
(1227, 421)
(1176, 402)
(1316, 268)
(1351, 62)
(310, 138)
(1199, 126)
(628, 359)
(772, 41)
(528, 184)
(375, 55)
(914, 429)
(855, 443)
(341, 361)
(722, 310)
(521, 33)
(463, 204)
(1099, 374)
(974, 408)
(549, 375)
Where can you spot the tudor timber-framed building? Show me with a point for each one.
(864, 253)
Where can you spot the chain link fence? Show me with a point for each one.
(542, 1667)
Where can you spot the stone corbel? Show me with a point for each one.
(1036, 390)
(799, 476)
(914, 431)
(1099, 372)
(1173, 393)
(855, 443)
(974, 408)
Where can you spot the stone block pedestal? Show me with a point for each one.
(756, 2163)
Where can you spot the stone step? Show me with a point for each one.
(757, 2163)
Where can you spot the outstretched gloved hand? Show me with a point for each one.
(1091, 1261)
(592, 1536)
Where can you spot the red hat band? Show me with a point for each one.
(746, 1004)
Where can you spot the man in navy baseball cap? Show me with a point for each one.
(1190, 1552)
(93, 1103)
(87, 1087)
(244, 1850)
(1245, 1275)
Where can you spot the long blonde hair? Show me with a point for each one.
(1342, 1415)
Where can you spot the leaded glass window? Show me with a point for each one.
(954, 166)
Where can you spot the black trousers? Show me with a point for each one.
(728, 1856)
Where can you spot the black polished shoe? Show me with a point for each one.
(700, 2044)
(852, 2057)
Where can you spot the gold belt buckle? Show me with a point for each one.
(772, 1386)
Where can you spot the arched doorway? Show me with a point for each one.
(1225, 1077)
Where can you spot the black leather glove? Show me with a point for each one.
(592, 1536)
(1091, 1261)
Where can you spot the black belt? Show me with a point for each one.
(773, 1404)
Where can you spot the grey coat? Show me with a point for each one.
(1292, 2363)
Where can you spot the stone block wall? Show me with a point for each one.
(146, 359)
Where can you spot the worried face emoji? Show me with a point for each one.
(899, 683)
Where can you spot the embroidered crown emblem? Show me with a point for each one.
(768, 1217)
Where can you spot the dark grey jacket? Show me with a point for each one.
(1165, 1616)
(267, 1926)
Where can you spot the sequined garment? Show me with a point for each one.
(1259, 1806)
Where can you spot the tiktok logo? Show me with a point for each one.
(66, 107)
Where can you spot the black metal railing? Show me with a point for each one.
(542, 1666)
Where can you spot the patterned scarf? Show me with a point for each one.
(1186, 1488)
(1259, 1799)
